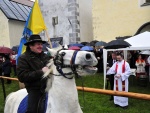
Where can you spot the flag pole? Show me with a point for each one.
(48, 37)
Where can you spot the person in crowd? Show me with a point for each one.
(121, 71)
(140, 64)
(133, 59)
(98, 56)
(146, 58)
(13, 62)
(7, 67)
(109, 57)
(30, 69)
(129, 55)
(111, 78)
(101, 67)
(1, 65)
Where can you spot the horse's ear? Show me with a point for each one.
(53, 51)
(66, 47)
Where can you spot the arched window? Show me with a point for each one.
(143, 28)
(145, 2)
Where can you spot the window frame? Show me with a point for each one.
(144, 3)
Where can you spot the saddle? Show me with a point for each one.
(42, 104)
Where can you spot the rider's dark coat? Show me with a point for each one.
(29, 69)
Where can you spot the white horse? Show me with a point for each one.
(62, 92)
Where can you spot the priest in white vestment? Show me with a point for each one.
(121, 69)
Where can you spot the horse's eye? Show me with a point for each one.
(88, 56)
(63, 53)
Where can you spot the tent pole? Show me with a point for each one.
(104, 65)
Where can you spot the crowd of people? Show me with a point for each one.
(138, 61)
(118, 71)
(7, 64)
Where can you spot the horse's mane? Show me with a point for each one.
(48, 74)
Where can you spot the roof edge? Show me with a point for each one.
(24, 2)
(16, 19)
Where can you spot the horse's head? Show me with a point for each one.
(80, 62)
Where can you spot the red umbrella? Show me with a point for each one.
(5, 50)
(74, 48)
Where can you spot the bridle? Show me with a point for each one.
(58, 62)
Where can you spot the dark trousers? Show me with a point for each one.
(147, 69)
(7, 75)
(111, 80)
(14, 68)
(33, 100)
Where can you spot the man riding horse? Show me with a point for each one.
(30, 69)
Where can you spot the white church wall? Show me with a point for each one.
(15, 32)
(74, 19)
(4, 36)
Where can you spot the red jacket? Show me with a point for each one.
(13, 62)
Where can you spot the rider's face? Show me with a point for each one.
(37, 47)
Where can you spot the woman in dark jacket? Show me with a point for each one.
(7, 67)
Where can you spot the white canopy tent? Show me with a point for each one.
(141, 40)
(138, 42)
(146, 52)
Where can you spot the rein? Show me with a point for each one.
(72, 62)
(58, 62)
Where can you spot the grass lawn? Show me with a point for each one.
(97, 103)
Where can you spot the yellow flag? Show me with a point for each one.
(36, 22)
(23, 49)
